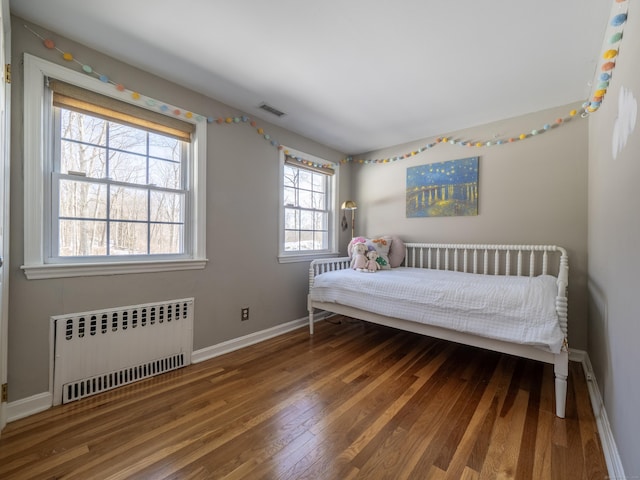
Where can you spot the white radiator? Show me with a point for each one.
(104, 349)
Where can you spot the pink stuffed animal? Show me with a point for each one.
(358, 258)
(372, 262)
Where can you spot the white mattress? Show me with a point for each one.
(510, 308)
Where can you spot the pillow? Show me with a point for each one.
(380, 244)
(396, 251)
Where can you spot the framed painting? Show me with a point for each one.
(445, 189)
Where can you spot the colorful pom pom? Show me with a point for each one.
(609, 54)
(87, 69)
(615, 38)
(67, 56)
(120, 87)
(104, 78)
(608, 66)
(49, 44)
(619, 19)
(135, 95)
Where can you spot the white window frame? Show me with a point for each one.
(285, 256)
(37, 167)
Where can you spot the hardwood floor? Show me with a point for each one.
(354, 401)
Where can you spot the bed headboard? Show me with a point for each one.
(520, 260)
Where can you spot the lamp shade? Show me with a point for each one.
(349, 205)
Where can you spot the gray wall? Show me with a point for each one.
(532, 191)
(242, 231)
(614, 262)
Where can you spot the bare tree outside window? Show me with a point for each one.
(306, 213)
(120, 189)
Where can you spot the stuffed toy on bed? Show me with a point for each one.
(358, 258)
(372, 261)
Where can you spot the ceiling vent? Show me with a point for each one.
(272, 110)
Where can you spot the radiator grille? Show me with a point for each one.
(101, 350)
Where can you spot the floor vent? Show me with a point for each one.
(105, 349)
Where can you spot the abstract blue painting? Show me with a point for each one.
(445, 189)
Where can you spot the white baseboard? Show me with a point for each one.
(237, 343)
(611, 455)
(29, 406)
(43, 401)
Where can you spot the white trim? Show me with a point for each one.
(611, 454)
(213, 351)
(35, 72)
(43, 401)
(29, 406)
(53, 270)
(333, 183)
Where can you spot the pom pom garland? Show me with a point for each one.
(588, 107)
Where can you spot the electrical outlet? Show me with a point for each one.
(244, 314)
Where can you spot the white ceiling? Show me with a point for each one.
(355, 75)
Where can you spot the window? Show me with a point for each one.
(110, 187)
(308, 186)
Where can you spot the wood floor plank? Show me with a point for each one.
(355, 401)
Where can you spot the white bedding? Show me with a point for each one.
(510, 308)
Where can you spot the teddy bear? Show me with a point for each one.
(358, 258)
(372, 262)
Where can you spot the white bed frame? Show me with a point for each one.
(521, 260)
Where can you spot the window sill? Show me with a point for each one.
(305, 257)
(39, 272)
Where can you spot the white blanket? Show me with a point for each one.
(510, 308)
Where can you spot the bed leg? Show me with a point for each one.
(311, 321)
(561, 370)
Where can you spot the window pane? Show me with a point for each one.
(319, 182)
(166, 239)
(290, 197)
(126, 167)
(291, 240)
(82, 238)
(320, 240)
(166, 207)
(306, 240)
(290, 176)
(306, 220)
(165, 174)
(128, 238)
(83, 199)
(320, 221)
(83, 128)
(305, 179)
(306, 200)
(318, 201)
(83, 158)
(127, 138)
(164, 147)
(129, 203)
(291, 219)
